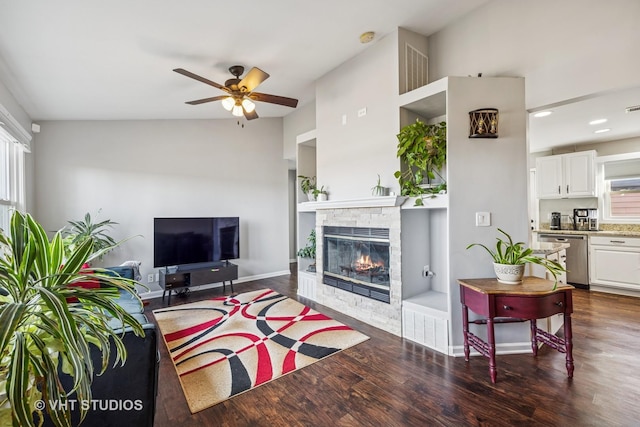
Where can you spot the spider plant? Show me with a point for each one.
(508, 252)
(47, 324)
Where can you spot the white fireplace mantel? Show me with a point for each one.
(369, 202)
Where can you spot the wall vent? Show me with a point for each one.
(416, 68)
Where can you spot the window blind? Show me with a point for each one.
(622, 169)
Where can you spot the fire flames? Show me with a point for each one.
(366, 264)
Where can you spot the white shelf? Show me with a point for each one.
(307, 138)
(427, 101)
(431, 302)
(439, 201)
(369, 202)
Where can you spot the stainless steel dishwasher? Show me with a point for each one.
(577, 256)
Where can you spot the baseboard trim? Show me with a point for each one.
(158, 293)
(501, 349)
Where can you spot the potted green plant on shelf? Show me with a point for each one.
(309, 251)
(320, 194)
(378, 190)
(422, 148)
(48, 322)
(307, 185)
(509, 260)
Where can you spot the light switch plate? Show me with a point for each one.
(483, 219)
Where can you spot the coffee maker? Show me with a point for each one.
(593, 219)
(581, 219)
(556, 219)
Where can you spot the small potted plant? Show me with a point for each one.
(509, 260)
(320, 194)
(308, 185)
(309, 251)
(378, 190)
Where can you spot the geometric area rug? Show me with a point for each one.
(224, 346)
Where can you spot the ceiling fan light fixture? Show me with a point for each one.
(248, 105)
(237, 111)
(228, 103)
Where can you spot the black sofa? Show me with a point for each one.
(123, 395)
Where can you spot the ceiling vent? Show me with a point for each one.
(632, 109)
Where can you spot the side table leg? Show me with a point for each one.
(493, 372)
(169, 300)
(163, 293)
(465, 330)
(223, 286)
(534, 337)
(231, 282)
(568, 342)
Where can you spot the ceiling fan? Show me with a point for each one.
(239, 95)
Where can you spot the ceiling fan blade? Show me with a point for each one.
(200, 79)
(274, 99)
(252, 79)
(250, 116)
(202, 101)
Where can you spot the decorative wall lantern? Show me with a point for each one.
(483, 123)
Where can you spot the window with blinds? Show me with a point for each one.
(622, 189)
(11, 177)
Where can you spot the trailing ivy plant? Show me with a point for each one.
(422, 148)
(48, 323)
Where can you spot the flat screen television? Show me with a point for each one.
(180, 241)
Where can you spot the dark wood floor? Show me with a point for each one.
(389, 381)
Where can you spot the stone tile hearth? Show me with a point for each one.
(386, 316)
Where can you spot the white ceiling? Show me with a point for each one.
(569, 122)
(113, 60)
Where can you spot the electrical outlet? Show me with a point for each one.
(157, 277)
(362, 112)
(150, 278)
(425, 271)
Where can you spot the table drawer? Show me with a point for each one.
(534, 307)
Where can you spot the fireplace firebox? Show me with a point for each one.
(356, 259)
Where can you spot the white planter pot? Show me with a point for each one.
(322, 197)
(508, 273)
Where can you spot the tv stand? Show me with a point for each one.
(186, 276)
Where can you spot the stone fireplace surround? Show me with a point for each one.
(379, 314)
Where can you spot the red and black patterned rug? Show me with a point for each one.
(225, 346)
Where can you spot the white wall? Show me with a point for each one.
(564, 49)
(137, 170)
(302, 120)
(350, 156)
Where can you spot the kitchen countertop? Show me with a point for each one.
(627, 233)
(547, 248)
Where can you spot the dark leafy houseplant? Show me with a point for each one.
(422, 148)
(47, 323)
(510, 253)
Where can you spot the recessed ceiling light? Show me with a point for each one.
(602, 130)
(597, 122)
(542, 114)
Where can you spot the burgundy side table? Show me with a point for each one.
(535, 298)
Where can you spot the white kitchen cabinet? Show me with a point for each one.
(566, 175)
(553, 323)
(615, 262)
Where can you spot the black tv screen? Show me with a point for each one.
(179, 241)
